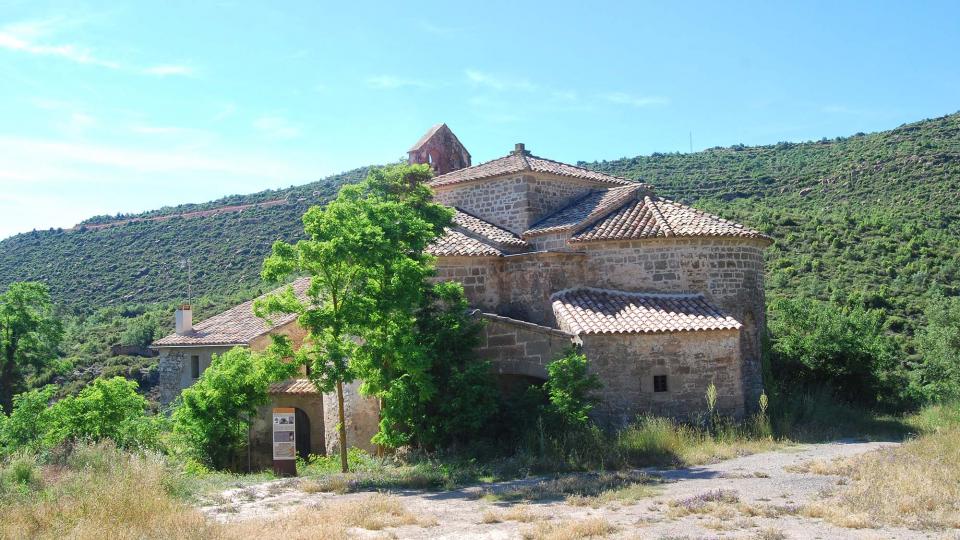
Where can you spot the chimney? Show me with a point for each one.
(520, 150)
(183, 319)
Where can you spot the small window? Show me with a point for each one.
(659, 383)
(195, 366)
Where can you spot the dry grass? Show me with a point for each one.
(570, 530)
(916, 485)
(721, 504)
(586, 489)
(520, 513)
(122, 497)
(330, 521)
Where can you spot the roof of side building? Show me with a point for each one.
(235, 326)
(519, 162)
(456, 244)
(602, 311)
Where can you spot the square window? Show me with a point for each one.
(659, 383)
(195, 366)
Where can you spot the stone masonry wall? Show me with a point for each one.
(501, 201)
(729, 272)
(627, 363)
(530, 279)
(548, 193)
(480, 277)
(362, 415)
(520, 348)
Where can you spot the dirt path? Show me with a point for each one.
(755, 496)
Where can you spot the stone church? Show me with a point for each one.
(663, 299)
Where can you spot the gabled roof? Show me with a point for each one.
(293, 386)
(517, 162)
(235, 326)
(487, 230)
(456, 244)
(655, 217)
(586, 210)
(601, 311)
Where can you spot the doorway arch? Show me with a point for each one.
(302, 427)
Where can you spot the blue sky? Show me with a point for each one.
(106, 107)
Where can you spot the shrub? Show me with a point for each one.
(570, 389)
(937, 377)
(212, 417)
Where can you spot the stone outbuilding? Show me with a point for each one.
(664, 299)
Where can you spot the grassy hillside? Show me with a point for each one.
(868, 219)
(141, 262)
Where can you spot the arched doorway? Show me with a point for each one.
(302, 433)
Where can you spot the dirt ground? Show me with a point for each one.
(757, 496)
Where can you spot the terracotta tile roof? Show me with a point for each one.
(599, 311)
(655, 217)
(519, 162)
(235, 326)
(487, 230)
(293, 386)
(586, 210)
(456, 244)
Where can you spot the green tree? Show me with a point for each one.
(366, 255)
(29, 336)
(570, 388)
(106, 409)
(213, 416)
(937, 375)
(846, 349)
(464, 396)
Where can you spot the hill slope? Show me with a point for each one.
(871, 219)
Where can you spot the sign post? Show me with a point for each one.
(284, 441)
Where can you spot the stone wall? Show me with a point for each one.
(174, 369)
(520, 348)
(728, 271)
(480, 277)
(362, 419)
(501, 201)
(530, 278)
(515, 202)
(627, 363)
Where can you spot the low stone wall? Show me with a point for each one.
(627, 363)
(520, 348)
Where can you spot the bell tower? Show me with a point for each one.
(440, 149)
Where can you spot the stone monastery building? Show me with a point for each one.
(663, 299)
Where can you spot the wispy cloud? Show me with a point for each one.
(34, 37)
(169, 70)
(623, 98)
(390, 82)
(276, 127)
(22, 38)
(498, 82)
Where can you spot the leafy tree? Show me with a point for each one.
(846, 349)
(937, 376)
(570, 388)
(106, 409)
(464, 396)
(366, 254)
(29, 335)
(212, 417)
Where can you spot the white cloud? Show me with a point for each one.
(276, 127)
(15, 38)
(480, 78)
(168, 70)
(622, 98)
(390, 82)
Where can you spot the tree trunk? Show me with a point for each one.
(343, 428)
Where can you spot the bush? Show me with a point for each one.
(937, 377)
(817, 344)
(570, 389)
(105, 409)
(212, 417)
